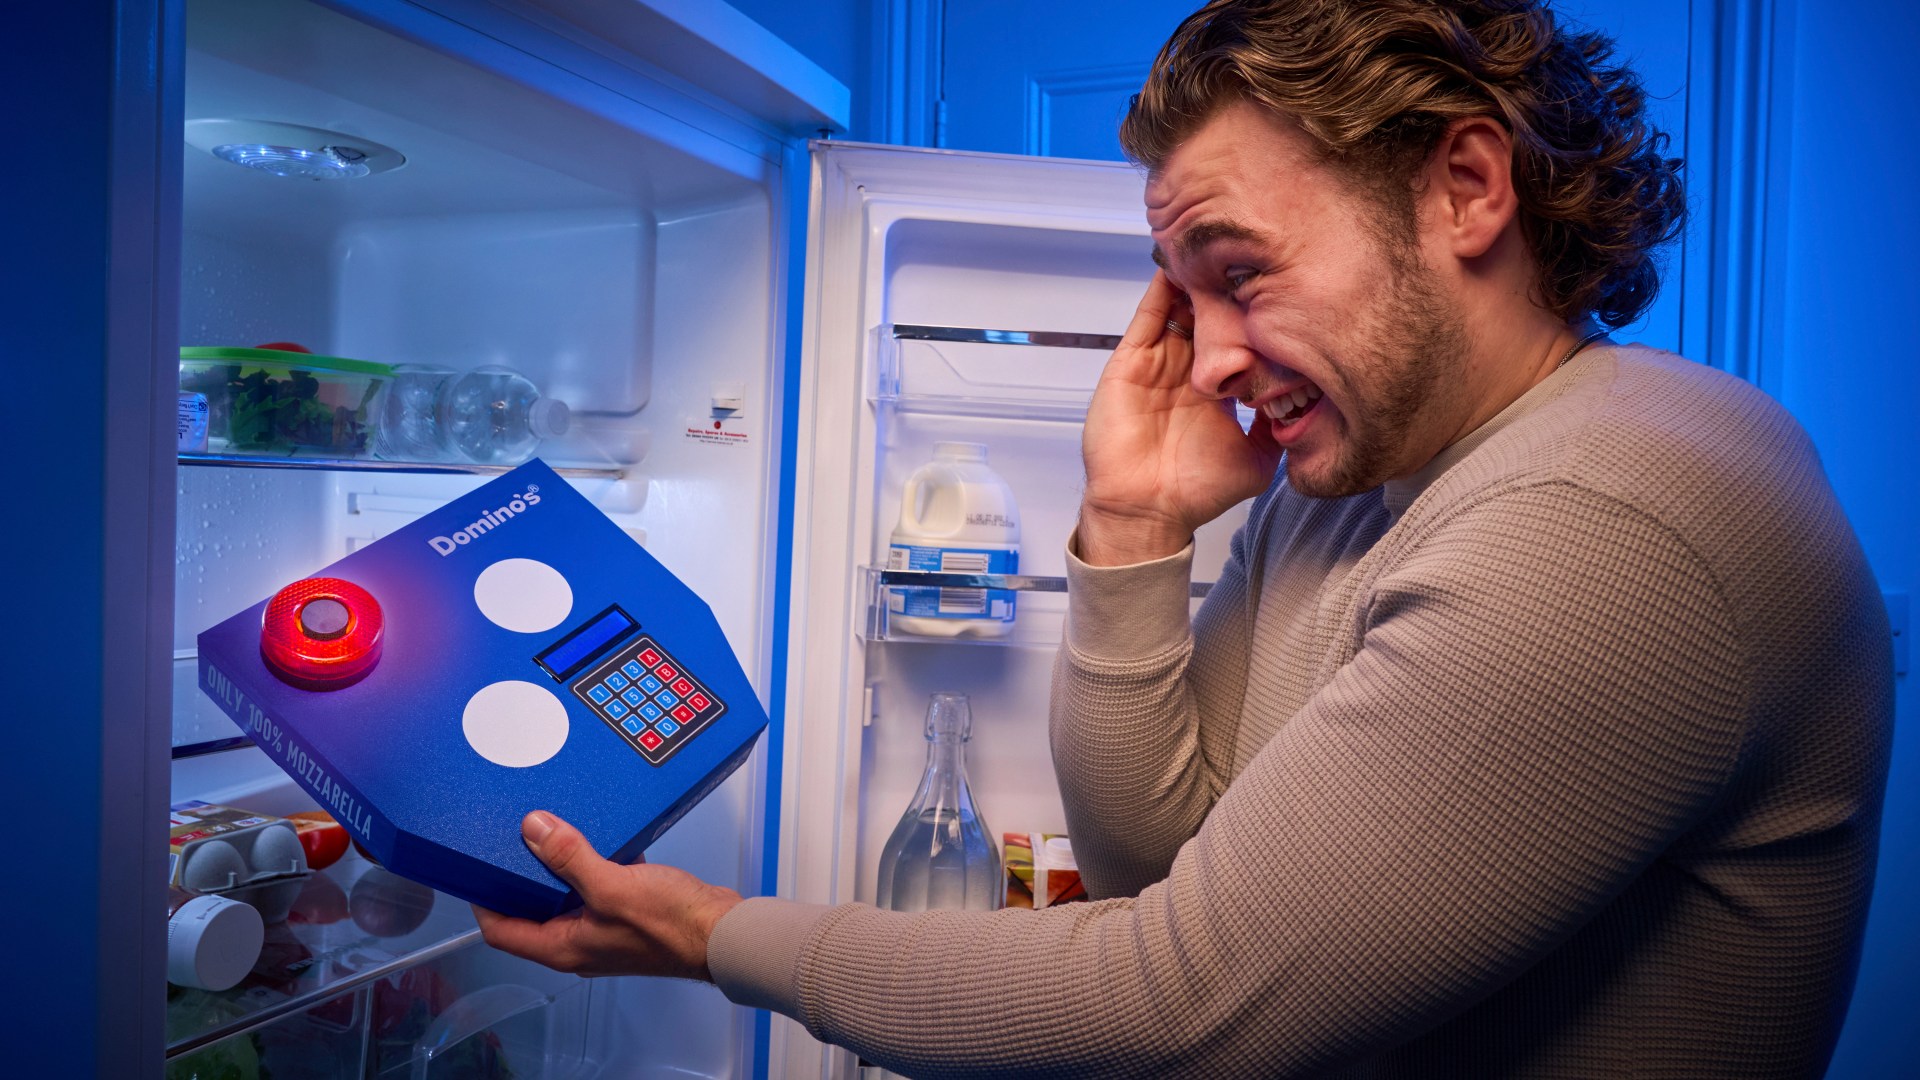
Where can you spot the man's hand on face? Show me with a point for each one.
(636, 920)
(1162, 458)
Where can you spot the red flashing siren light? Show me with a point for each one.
(321, 634)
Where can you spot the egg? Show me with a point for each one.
(277, 850)
(214, 866)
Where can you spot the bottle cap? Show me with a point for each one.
(549, 418)
(212, 943)
(960, 451)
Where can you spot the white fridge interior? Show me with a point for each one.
(614, 235)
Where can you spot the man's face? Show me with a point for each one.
(1341, 338)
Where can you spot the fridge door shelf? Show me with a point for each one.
(249, 461)
(353, 924)
(1011, 374)
(1038, 624)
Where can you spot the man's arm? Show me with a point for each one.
(1138, 768)
(1548, 695)
(1162, 459)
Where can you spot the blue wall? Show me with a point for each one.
(1845, 364)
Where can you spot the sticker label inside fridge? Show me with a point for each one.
(190, 429)
(722, 431)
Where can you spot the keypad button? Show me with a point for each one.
(651, 741)
(599, 693)
(666, 671)
(617, 710)
(651, 685)
(632, 669)
(648, 658)
(616, 681)
(667, 698)
(699, 701)
(682, 687)
(633, 696)
(683, 714)
(631, 725)
(652, 711)
(667, 728)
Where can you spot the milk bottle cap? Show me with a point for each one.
(212, 943)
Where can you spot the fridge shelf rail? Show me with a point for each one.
(1038, 623)
(248, 461)
(963, 371)
(1010, 374)
(353, 924)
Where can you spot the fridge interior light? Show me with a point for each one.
(326, 163)
(292, 150)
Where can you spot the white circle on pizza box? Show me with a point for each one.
(516, 724)
(523, 595)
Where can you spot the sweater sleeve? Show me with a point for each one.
(1121, 682)
(1549, 691)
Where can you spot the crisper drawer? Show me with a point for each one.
(373, 976)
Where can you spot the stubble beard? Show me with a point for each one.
(1416, 353)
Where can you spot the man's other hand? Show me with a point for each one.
(636, 920)
(1162, 458)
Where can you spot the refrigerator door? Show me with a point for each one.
(951, 297)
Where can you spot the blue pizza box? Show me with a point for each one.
(513, 650)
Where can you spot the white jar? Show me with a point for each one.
(956, 517)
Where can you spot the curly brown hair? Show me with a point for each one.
(1376, 84)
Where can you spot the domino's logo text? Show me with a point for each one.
(487, 522)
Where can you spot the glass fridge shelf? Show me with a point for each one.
(352, 924)
(1038, 623)
(250, 461)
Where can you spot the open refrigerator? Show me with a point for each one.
(607, 196)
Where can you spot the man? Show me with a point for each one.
(1539, 721)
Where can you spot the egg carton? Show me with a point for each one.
(237, 854)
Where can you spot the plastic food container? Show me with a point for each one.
(266, 401)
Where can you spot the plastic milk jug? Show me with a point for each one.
(956, 517)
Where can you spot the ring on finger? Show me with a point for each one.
(1179, 331)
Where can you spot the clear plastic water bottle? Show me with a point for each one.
(410, 418)
(941, 855)
(495, 416)
(490, 415)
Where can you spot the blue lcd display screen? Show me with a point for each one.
(577, 649)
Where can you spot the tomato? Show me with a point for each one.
(321, 837)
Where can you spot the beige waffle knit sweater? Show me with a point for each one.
(1561, 759)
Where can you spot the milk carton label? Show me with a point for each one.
(989, 604)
